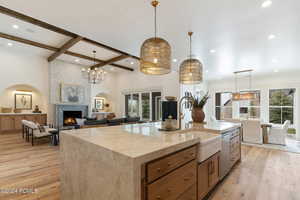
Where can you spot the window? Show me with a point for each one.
(250, 108)
(146, 105)
(223, 105)
(281, 105)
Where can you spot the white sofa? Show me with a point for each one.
(277, 134)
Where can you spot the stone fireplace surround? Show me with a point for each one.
(60, 108)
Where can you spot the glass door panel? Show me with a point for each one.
(146, 106)
(134, 105)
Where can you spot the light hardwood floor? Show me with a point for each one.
(263, 174)
(24, 166)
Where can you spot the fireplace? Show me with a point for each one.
(69, 117)
(62, 111)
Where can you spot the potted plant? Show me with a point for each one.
(198, 115)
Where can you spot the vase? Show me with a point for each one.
(198, 115)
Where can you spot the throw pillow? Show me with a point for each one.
(80, 121)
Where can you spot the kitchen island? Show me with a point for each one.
(135, 162)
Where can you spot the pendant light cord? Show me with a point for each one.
(155, 4)
(155, 23)
(190, 34)
(190, 46)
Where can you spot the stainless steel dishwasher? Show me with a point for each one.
(230, 152)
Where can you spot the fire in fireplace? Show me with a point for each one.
(70, 117)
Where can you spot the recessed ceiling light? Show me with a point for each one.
(271, 37)
(276, 70)
(77, 60)
(206, 71)
(266, 4)
(29, 30)
(212, 51)
(132, 63)
(15, 26)
(274, 60)
(9, 44)
(174, 60)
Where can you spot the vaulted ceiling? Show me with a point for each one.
(229, 35)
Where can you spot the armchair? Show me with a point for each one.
(277, 134)
(252, 131)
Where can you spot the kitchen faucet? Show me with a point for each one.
(189, 99)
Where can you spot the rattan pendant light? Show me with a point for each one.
(155, 53)
(191, 68)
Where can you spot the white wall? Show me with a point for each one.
(22, 69)
(106, 90)
(262, 83)
(137, 81)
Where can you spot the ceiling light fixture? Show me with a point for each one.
(271, 37)
(276, 70)
(155, 52)
(93, 74)
(132, 63)
(266, 4)
(77, 60)
(245, 95)
(9, 44)
(190, 71)
(175, 60)
(212, 51)
(15, 26)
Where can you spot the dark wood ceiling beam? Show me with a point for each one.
(50, 48)
(29, 42)
(64, 48)
(110, 61)
(97, 60)
(56, 29)
(108, 48)
(36, 22)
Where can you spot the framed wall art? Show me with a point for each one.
(99, 104)
(23, 101)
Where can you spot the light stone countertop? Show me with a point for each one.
(105, 163)
(220, 126)
(138, 140)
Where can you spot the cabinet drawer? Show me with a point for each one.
(164, 165)
(191, 194)
(171, 186)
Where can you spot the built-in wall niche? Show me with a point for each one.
(102, 103)
(23, 98)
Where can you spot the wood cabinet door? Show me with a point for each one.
(30, 118)
(213, 177)
(173, 185)
(203, 187)
(41, 119)
(7, 123)
(18, 122)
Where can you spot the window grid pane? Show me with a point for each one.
(281, 105)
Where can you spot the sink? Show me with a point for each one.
(209, 145)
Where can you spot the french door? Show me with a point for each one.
(146, 105)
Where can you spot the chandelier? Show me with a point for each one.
(245, 95)
(94, 75)
(155, 53)
(191, 69)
